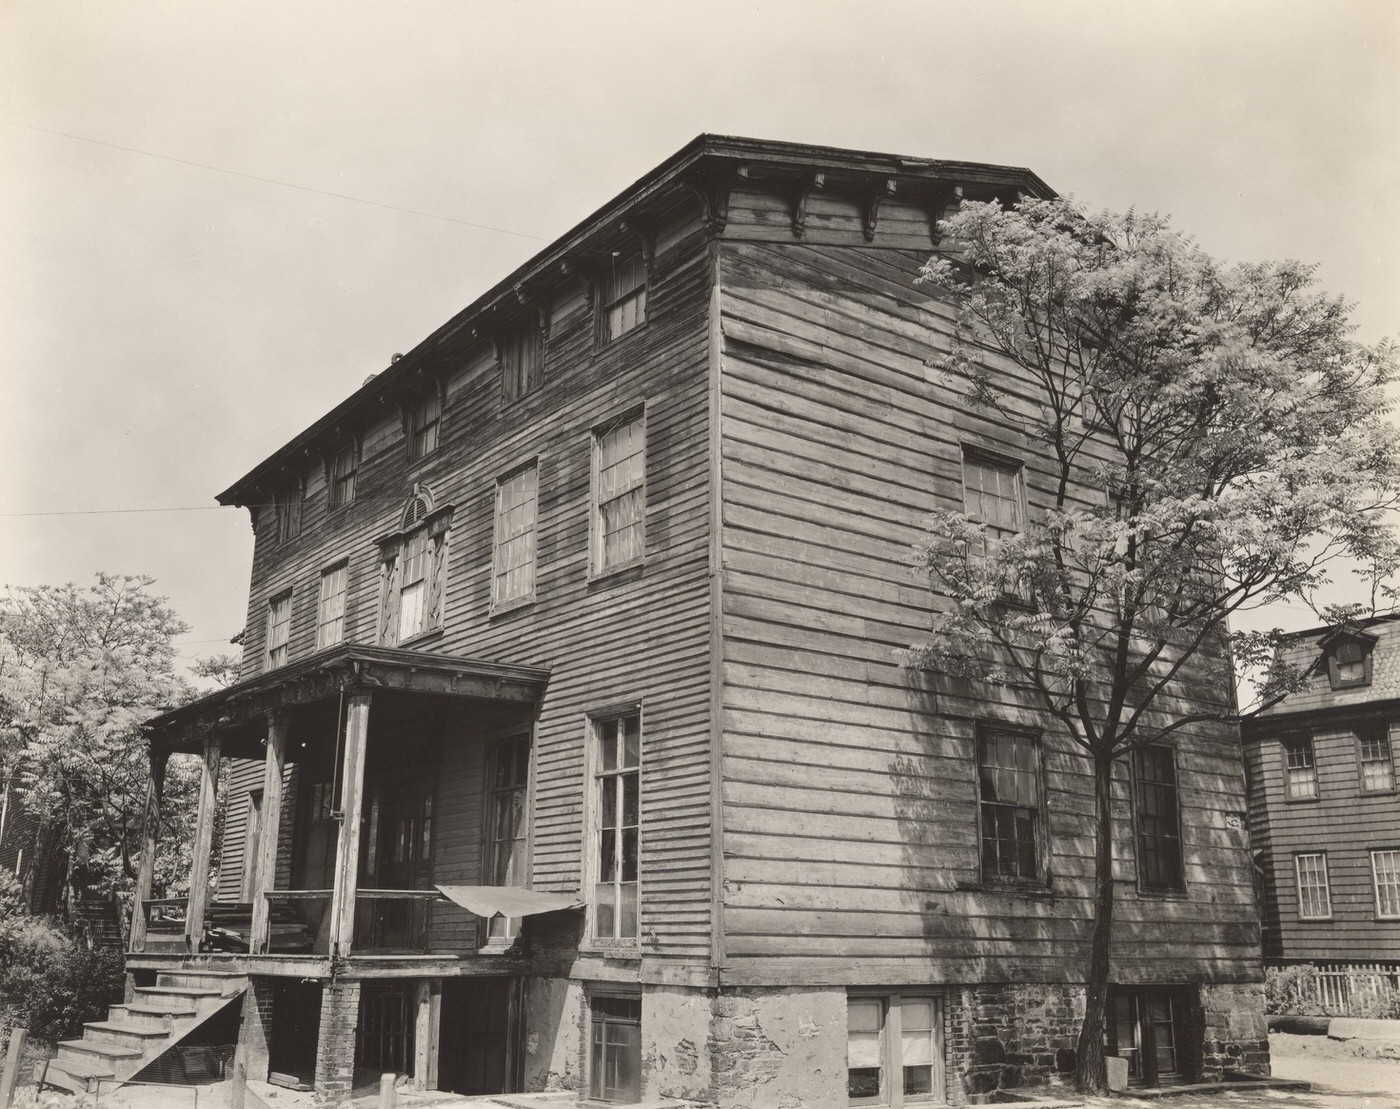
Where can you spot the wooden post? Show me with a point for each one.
(266, 873)
(203, 844)
(150, 836)
(425, 1034)
(347, 848)
(12, 1059)
(386, 1091)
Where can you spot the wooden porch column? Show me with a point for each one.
(150, 836)
(203, 843)
(347, 848)
(265, 876)
(425, 1033)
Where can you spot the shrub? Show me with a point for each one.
(51, 984)
(1288, 991)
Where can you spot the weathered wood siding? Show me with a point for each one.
(850, 847)
(245, 776)
(1344, 824)
(641, 635)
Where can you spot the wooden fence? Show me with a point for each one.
(1345, 991)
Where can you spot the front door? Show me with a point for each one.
(396, 854)
(1145, 1028)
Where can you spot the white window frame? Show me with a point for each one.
(598, 566)
(526, 533)
(1384, 760)
(330, 607)
(891, 1046)
(283, 625)
(1326, 886)
(1302, 774)
(593, 827)
(1387, 898)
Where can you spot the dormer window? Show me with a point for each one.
(1349, 660)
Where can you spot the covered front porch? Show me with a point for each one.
(385, 773)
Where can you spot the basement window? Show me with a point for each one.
(894, 1049)
(615, 1058)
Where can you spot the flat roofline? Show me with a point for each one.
(704, 147)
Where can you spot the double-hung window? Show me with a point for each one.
(1385, 874)
(1008, 779)
(992, 497)
(1377, 764)
(1349, 662)
(619, 493)
(414, 572)
(617, 758)
(513, 569)
(1314, 894)
(508, 775)
(1299, 768)
(279, 628)
(424, 420)
(894, 1049)
(624, 296)
(1157, 812)
(344, 464)
(330, 606)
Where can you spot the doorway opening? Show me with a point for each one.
(479, 1049)
(1147, 1026)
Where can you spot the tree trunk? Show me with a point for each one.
(1089, 1074)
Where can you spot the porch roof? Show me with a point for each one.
(345, 668)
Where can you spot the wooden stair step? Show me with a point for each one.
(124, 1033)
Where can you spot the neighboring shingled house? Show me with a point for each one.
(588, 758)
(1323, 805)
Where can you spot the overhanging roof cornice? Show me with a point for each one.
(681, 171)
(348, 668)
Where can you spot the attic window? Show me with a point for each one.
(1349, 663)
(418, 507)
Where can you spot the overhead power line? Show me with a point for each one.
(274, 181)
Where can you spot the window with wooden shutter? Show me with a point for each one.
(288, 511)
(1349, 663)
(522, 359)
(413, 578)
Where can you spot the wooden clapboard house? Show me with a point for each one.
(1325, 812)
(572, 748)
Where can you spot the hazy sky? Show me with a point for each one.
(180, 292)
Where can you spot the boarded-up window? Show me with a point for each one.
(522, 350)
(508, 775)
(1156, 809)
(624, 296)
(1300, 771)
(615, 1058)
(330, 606)
(616, 803)
(619, 514)
(893, 1049)
(1377, 765)
(513, 575)
(344, 465)
(288, 511)
(424, 418)
(279, 627)
(1009, 786)
(1385, 872)
(1314, 896)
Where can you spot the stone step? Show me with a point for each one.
(149, 1016)
(89, 1054)
(222, 981)
(123, 1034)
(75, 1077)
(173, 998)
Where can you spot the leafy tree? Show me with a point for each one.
(80, 670)
(1210, 442)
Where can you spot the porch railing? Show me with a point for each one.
(386, 922)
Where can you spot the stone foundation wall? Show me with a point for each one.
(1001, 1037)
(784, 1048)
(675, 1029)
(554, 1034)
(1235, 1031)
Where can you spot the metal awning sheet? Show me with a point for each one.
(489, 901)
